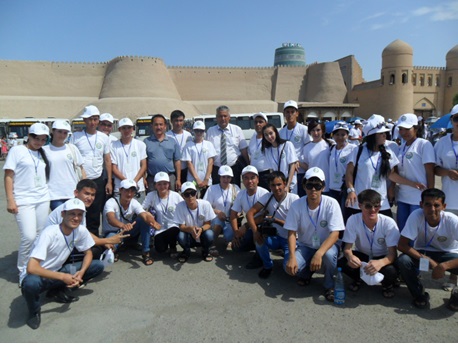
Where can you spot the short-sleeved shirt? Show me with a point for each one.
(257, 157)
(287, 157)
(181, 139)
(197, 217)
(445, 150)
(298, 136)
(198, 154)
(278, 209)
(243, 202)
(163, 209)
(235, 142)
(222, 199)
(111, 206)
(385, 234)
(338, 162)
(93, 148)
(354, 132)
(161, 154)
(442, 238)
(316, 154)
(52, 248)
(128, 159)
(323, 220)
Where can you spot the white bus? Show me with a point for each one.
(20, 126)
(78, 125)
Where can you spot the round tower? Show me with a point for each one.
(396, 80)
(289, 54)
(451, 78)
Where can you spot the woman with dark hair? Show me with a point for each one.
(26, 174)
(316, 152)
(280, 155)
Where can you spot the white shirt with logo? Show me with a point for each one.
(92, 147)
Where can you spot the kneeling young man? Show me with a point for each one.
(316, 220)
(46, 269)
(375, 237)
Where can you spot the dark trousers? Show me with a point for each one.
(166, 239)
(94, 211)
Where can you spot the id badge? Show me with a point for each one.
(200, 166)
(72, 269)
(38, 181)
(424, 264)
(166, 225)
(337, 178)
(95, 162)
(376, 182)
(316, 241)
(371, 256)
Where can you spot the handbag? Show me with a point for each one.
(78, 172)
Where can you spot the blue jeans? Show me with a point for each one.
(274, 243)
(408, 267)
(186, 241)
(246, 242)
(34, 285)
(57, 202)
(403, 212)
(140, 228)
(228, 232)
(304, 255)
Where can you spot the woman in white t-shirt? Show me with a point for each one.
(63, 158)
(280, 155)
(26, 173)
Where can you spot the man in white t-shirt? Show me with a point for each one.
(356, 136)
(314, 223)
(94, 146)
(128, 156)
(46, 269)
(435, 246)
(106, 125)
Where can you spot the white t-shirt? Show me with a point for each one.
(222, 199)
(55, 217)
(111, 206)
(442, 238)
(197, 217)
(317, 155)
(412, 160)
(198, 154)
(282, 211)
(366, 177)
(323, 220)
(385, 234)
(257, 157)
(52, 248)
(29, 182)
(92, 147)
(182, 139)
(287, 157)
(62, 178)
(354, 132)
(298, 136)
(445, 150)
(244, 202)
(128, 160)
(235, 141)
(164, 209)
(338, 162)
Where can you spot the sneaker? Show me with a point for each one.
(59, 295)
(34, 320)
(265, 273)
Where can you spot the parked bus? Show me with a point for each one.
(20, 126)
(78, 125)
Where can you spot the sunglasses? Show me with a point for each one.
(370, 206)
(341, 125)
(316, 186)
(455, 119)
(188, 194)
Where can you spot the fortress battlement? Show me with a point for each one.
(428, 68)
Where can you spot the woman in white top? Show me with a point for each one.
(280, 155)
(26, 173)
(63, 158)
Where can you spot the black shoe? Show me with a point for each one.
(264, 273)
(254, 263)
(34, 320)
(59, 295)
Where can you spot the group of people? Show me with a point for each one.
(323, 202)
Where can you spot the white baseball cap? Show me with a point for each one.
(187, 186)
(106, 117)
(74, 203)
(375, 124)
(454, 110)
(407, 121)
(198, 125)
(161, 177)
(124, 122)
(250, 169)
(260, 114)
(225, 171)
(127, 184)
(340, 125)
(39, 129)
(89, 111)
(290, 103)
(61, 125)
(357, 122)
(315, 172)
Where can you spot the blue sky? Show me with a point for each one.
(226, 33)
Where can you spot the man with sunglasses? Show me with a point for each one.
(194, 217)
(374, 237)
(316, 221)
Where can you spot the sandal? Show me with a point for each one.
(329, 294)
(147, 260)
(213, 251)
(355, 286)
(303, 282)
(388, 291)
(207, 257)
(422, 301)
(116, 256)
(453, 302)
(183, 257)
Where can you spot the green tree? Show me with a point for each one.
(455, 100)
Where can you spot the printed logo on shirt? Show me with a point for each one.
(98, 145)
(69, 157)
(381, 241)
(409, 155)
(204, 150)
(171, 209)
(297, 139)
(323, 223)
(201, 217)
(133, 154)
(441, 238)
(343, 160)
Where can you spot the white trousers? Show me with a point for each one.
(31, 220)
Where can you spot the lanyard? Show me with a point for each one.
(95, 145)
(66, 242)
(164, 210)
(248, 199)
(130, 146)
(227, 195)
(199, 154)
(292, 132)
(454, 151)
(192, 216)
(318, 215)
(405, 150)
(371, 242)
(278, 156)
(33, 159)
(337, 157)
(370, 158)
(427, 244)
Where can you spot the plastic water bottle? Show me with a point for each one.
(339, 288)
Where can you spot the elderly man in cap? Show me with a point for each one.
(257, 157)
(94, 146)
(124, 213)
(45, 267)
(128, 156)
(313, 224)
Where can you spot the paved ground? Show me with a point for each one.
(213, 302)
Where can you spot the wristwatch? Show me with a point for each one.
(351, 190)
